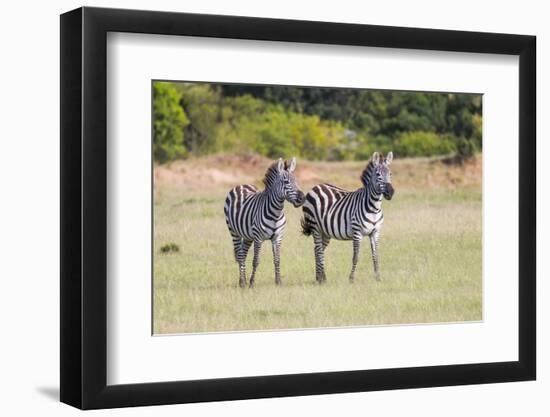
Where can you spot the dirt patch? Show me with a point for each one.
(226, 171)
(220, 170)
(307, 174)
(196, 177)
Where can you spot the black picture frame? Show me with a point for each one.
(84, 207)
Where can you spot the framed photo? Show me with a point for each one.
(257, 208)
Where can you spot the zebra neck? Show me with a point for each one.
(273, 200)
(373, 200)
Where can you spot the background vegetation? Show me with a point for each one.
(196, 119)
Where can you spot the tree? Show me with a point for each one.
(313, 123)
(424, 144)
(202, 104)
(169, 122)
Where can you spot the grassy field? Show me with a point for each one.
(430, 252)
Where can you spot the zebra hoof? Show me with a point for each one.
(242, 284)
(377, 277)
(251, 285)
(351, 280)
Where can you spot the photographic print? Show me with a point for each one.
(289, 207)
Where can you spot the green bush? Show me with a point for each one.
(367, 145)
(465, 149)
(273, 131)
(169, 122)
(311, 123)
(424, 144)
(203, 104)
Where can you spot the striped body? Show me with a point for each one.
(253, 216)
(331, 212)
(341, 214)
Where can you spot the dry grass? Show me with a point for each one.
(430, 252)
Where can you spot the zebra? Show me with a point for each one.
(253, 216)
(332, 212)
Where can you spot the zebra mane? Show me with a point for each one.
(366, 174)
(271, 174)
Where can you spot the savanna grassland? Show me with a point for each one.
(430, 251)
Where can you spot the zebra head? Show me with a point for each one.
(284, 182)
(381, 174)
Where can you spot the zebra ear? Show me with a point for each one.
(376, 158)
(389, 158)
(292, 166)
(280, 165)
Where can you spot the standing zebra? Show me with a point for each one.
(254, 216)
(332, 212)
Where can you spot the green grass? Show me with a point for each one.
(430, 262)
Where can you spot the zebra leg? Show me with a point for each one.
(276, 246)
(256, 260)
(241, 259)
(356, 246)
(326, 241)
(237, 242)
(374, 248)
(320, 244)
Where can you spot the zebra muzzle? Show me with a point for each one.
(388, 191)
(299, 199)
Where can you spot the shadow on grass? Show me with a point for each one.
(257, 286)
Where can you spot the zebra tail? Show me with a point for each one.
(307, 227)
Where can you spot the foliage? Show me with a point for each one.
(276, 133)
(169, 122)
(420, 143)
(202, 103)
(313, 123)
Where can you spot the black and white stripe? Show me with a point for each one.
(332, 212)
(253, 216)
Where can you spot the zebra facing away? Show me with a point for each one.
(332, 212)
(253, 216)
